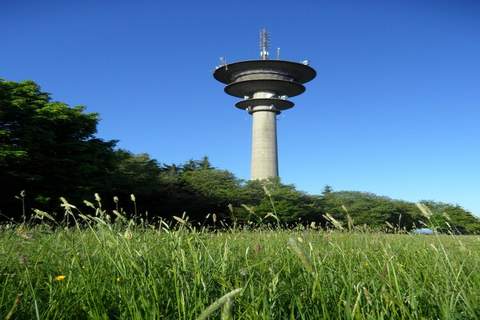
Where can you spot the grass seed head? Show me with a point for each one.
(301, 254)
(424, 210)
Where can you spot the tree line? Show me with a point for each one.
(49, 150)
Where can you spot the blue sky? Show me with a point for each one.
(394, 110)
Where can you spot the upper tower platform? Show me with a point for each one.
(278, 79)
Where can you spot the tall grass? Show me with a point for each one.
(131, 270)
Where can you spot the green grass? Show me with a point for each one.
(161, 273)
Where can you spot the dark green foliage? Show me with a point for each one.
(50, 150)
(283, 201)
(448, 217)
(370, 209)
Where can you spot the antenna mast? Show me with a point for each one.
(264, 44)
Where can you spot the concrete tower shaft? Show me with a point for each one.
(265, 85)
(264, 163)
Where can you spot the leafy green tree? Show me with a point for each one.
(327, 190)
(137, 174)
(283, 201)
(48, 148)
(370, 209)
(451, 218)
(217, 188)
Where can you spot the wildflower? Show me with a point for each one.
(60, 277)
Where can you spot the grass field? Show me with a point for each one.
(130, 272)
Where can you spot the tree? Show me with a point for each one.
(451, 218)
(284, 201)
(48, 148)
(370, 209)
(215, 188)
(327, 190)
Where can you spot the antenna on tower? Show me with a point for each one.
(264, 44)
(223, 62)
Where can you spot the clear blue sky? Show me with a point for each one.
(394, 110)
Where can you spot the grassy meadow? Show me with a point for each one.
(134, 271)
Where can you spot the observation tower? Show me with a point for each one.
(265, 87)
